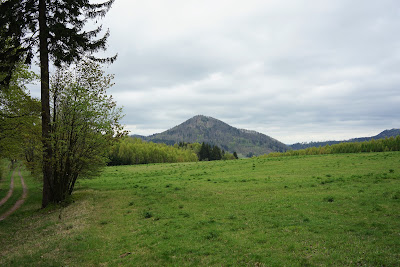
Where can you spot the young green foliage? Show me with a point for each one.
(19, 115)
(380, 145)
(54, 30)
(85, 121)
(131, 151)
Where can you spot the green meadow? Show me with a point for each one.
(341, 210)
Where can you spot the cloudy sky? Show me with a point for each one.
(296, 70)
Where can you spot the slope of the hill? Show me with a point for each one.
(209, 130)
(384, 134)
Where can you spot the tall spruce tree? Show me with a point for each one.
(54, 29)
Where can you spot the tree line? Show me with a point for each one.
(213, 152)
(380, 145)
(130, 151)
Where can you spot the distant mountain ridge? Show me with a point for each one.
(209, 130)
(384, 134)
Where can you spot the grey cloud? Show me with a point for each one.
(295, 71)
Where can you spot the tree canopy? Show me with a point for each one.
(19, 115)
(85, 121)
(131, 151)
(54, 30)
(60, 22)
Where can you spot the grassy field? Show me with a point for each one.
(294, 211)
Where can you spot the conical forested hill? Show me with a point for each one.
(209, 130)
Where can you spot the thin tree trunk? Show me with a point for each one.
(44, 79)
(71, 188)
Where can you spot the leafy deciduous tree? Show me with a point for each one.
(85, 122)
(19, 114)
(55, 29)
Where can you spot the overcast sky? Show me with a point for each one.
(296, 70)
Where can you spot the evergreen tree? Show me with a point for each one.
(55, 27)
(204, 153)
(216, 153)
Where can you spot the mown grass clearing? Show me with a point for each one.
(310, 210)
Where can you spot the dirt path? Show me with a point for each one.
(9, 194)
(20, 201)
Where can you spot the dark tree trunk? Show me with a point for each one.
(45, 80)
(71, 188)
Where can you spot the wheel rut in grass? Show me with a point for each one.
(10, 191)
(20, 201)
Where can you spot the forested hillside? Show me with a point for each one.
(381, 145)
(205, 129)
(384, 134)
